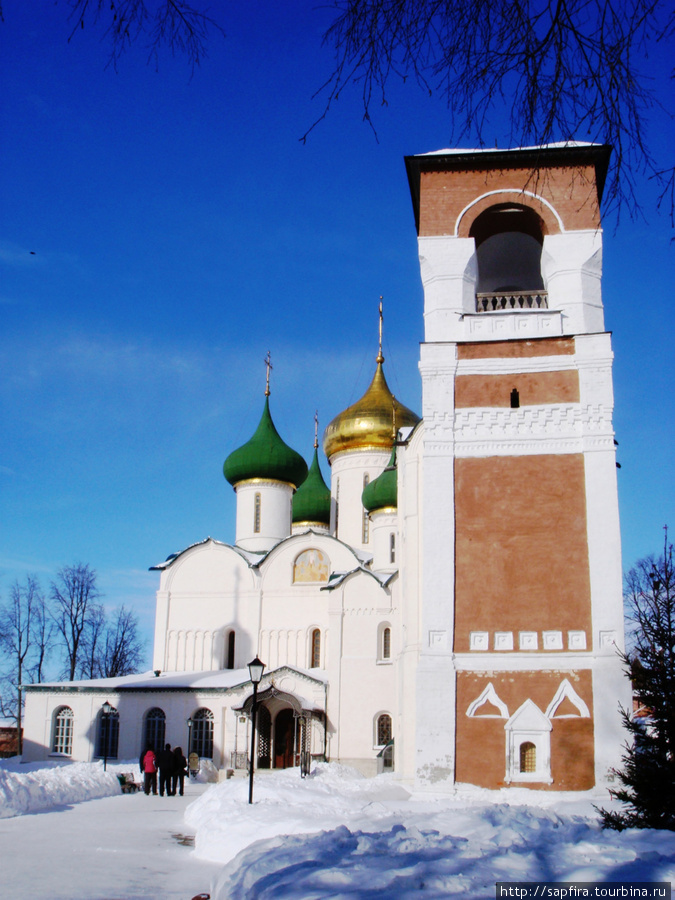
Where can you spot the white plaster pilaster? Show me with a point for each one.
(571, 266)
(449, 271)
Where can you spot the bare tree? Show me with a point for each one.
(123, 649)
(647, 779)
(43, 639)
(563, 70)
(19, 624)
(92, 643)
(74, 595)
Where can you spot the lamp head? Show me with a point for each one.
(256, 668)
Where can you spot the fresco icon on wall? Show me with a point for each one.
(310, 565)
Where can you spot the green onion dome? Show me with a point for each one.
(311, 502)
(266, 456)
(382, 492)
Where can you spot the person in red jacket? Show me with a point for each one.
(148, 763)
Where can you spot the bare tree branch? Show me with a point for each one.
(562, 69)
(177, 25)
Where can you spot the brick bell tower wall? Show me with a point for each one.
(480, 738)
(517, 472)
(521, 559)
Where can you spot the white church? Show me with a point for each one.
(450, 607)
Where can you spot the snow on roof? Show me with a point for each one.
(221, 679)
(252, 557)
(337, 578)
(555, 145)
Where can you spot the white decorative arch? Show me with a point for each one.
(566, 691)
(520, 193)
(489, 695)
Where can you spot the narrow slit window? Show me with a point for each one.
(515, 399)
(256, 514)
(230, 650)
(386, 643)
(365, 535)
(315, 653)
(392, 548)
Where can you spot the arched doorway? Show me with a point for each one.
(284, 739)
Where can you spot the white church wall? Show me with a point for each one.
(263, 513)
(349, 471)
(206, 592)
(363, 685)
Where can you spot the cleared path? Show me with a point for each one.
(128, 847)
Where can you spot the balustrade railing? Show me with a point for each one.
(504, 301)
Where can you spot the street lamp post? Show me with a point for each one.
(106, 709)
(189, 744)
(255, 668)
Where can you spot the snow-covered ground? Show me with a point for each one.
(334, 835)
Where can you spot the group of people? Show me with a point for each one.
(172, 768)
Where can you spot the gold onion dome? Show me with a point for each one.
(369, 423)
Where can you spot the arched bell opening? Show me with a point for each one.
(509, 239)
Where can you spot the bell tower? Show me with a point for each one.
(520, 624)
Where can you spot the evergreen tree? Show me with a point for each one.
(647, 779)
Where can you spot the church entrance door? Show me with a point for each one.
(284, 739)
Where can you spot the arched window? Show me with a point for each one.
(229, 662)
(365, 527)
(108, 734)
(256, 513)
(386, 643)
(62, 733)
(528, 757)
(315, 650)
(155, 729)
(392, 548)
(201, 737)
(383, 729)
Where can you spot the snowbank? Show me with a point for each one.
(337, 834)
(34, 787)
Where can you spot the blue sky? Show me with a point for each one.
(159, 233)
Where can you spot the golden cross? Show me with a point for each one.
(380, 358)
(268, 363)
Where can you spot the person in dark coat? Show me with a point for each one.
(148, 764)
(179, 771)
(165, 760)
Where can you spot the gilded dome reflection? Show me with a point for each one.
(369, 422)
